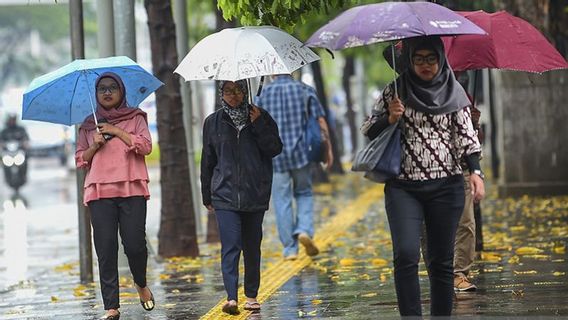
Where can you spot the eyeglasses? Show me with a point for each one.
(419, 60)
(234, 92)
(103, 89)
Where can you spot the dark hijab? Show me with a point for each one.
(443, 94)
(240, 113)
(115, 115)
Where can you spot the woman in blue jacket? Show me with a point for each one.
(239, 142)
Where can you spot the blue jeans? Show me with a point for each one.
(296, 183)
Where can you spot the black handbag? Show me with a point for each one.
(381, 158)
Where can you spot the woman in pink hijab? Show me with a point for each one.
(116, 187)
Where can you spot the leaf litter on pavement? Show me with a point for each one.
(519, 234)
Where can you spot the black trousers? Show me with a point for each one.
(240, 231)
(127, 216)
(438, 204)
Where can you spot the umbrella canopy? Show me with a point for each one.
(386, 21)
(67, 95)
(240, 53)
(511, 43)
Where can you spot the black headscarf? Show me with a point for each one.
(240, 113)
(443, 94)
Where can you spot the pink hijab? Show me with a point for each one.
(116, 115)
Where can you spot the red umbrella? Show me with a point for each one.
(511, 43)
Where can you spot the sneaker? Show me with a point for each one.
(291, 257)
(308, 243)
(462, 284)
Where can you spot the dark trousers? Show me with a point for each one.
(438, 204)
(240, 231)
(127, 216)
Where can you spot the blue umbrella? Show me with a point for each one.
(67, 95)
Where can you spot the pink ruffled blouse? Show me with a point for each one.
(116, 169)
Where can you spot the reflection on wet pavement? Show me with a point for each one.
(522, 271)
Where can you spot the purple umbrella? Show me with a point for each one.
(389, 21)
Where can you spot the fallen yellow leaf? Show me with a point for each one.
(558, 274)
(54, 299)
(379, 262)
(316, 302)
(518, 228)
(544, 257)
(514, 260)
(365, 277)
(346, 262)
(559, 250)
(66, 267)
(528, 250)
(527, 272)
(128, 295)
(491, 257)
(369, 295)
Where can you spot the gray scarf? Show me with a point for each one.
(240, 113)
(441, 95)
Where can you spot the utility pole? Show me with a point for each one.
(125, 30)
(85, 247)
(105, 28)
(180, 19)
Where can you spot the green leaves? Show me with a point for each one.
(286, 14)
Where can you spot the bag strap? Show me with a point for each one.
(306, 101)
(306, 105)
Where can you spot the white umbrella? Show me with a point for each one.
(246, 52)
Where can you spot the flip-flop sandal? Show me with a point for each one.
(232, 309)
(252, 306)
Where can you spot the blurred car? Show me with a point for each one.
(49, 140)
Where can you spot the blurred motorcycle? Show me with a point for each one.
(15, 163)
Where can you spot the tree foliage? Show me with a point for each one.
(285, 14)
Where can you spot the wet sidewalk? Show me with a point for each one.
(522, 271)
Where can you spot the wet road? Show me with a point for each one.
(41, 221)
(521, 273)
(34, 220)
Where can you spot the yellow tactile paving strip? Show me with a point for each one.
(274, 277)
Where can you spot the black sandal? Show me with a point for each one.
(150, 304)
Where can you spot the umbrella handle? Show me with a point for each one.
(91, 101)
(394, 71)
(260, 86)
(249, 91)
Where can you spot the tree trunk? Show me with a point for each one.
(348, 72)
(177, 235)
(320, 88)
